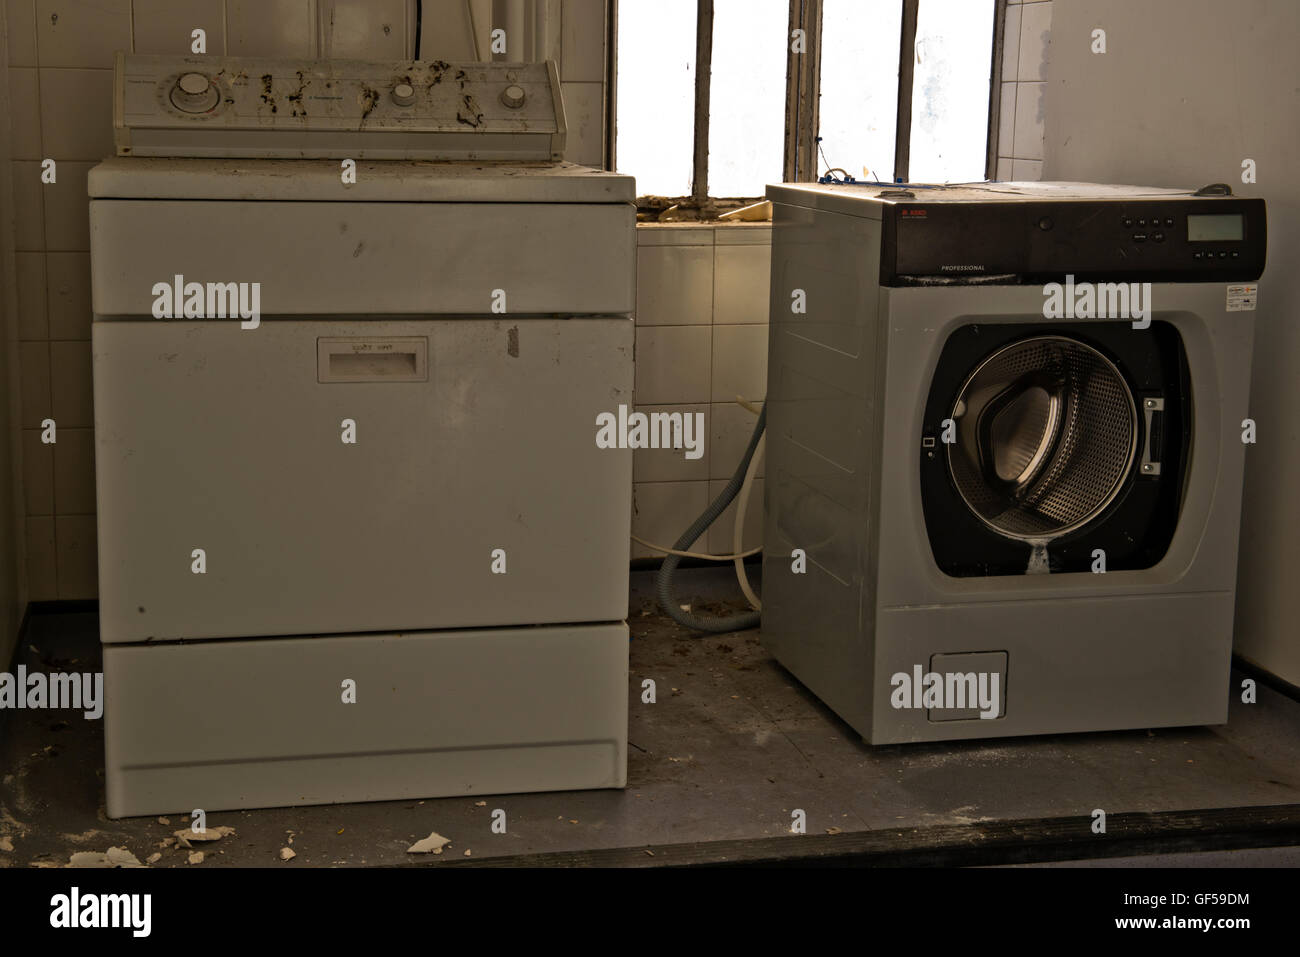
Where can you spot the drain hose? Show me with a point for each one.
(664, 582)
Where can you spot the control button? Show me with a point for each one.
(195, 93)
(1045, 223)
(1223, 254)
(513, 96)
(1158, 237)
(1235, 254)
(1142, 222)
(1139, 237)
(1169, 221)
(1128, 222)
(403, 94)
(1198, 255)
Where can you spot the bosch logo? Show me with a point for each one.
(962, 268)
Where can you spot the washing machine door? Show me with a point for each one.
(1054, 437)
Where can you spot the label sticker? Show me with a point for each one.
(1241, 298)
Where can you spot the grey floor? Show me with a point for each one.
(731, 747)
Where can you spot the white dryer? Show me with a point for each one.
(353, 326)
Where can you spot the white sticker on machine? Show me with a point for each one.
(1241, 298)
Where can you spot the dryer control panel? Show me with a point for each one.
(403, 109)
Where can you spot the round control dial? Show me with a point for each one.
(403, 94)
(195, 93)
(513, 96)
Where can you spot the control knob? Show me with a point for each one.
(513, 96)
(195, 93)
(403, 94)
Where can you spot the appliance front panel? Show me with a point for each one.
(359, 475)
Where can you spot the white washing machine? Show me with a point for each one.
(1005, 433)
(353, 326)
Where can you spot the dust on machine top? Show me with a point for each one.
(237, 128)
(1034, 232)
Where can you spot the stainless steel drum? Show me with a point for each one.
(1046, 434)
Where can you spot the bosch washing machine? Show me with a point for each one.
(353, 327)
(1005, 452)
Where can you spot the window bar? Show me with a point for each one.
(803, 92)
(703, 71)
(995, 89)
(906, 69)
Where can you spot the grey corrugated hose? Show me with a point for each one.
(664, 582)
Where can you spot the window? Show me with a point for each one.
(714, 101)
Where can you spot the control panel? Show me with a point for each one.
(404, 109)
(1184, 238)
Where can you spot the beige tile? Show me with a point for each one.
(672, 364)
(167, 26)
(20, 16)
(739, 362)
(29, 208)
(70, 385)
(731, 427)
(1026, 171)
(1029, 121)
(77, 114)
(1005, 164)
(85, 34)
(721, 532)
(277, 28)
(584, 108)
(34, 375)
(582, 46)
(25, 114)
(75, 540)
(1007, 120)
(674, 285)
(67, 208)
(743, 234)
(42, 566)
(663, 510)
(672, 465)
(74, 472)
(1011, 44)
(38, 474)
(369, 30)
(742, 275)
(69, 295)
(1035, 38)
(33, 320)
(674, 234)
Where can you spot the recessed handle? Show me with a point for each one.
(372, 359)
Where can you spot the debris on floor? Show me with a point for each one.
(433, 844)
(287, 854)
(113, 857)
(209, 834)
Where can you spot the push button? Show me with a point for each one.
(1139, 237)
(1158, 237)
(1169, 221)
(1198, 255)
(1128, 222)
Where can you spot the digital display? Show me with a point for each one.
(1202, 229)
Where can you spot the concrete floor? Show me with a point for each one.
(731, 747)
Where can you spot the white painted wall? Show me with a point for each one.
(1185, 92)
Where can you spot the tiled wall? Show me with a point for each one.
(1024, 75)
(60, 85)
(701, 340)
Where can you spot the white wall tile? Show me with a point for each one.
(582, 44)
(1005, 165)
(74, 472)
(77, 114)
(1007, 120)
(70, 385)
(42, 565)
(1011, 43)
(167, 26)
(34, 372)
(365, 29)
(672, 465)
(21, 20)
(741, 278)
(75, 538)
(33, 317)
(721, 531)
(25, 114)
(29, 206)
(67, 208)
(584, 109)
(663, 510)
(675, 234)
(273, 28)
(732, 427)
(82, 34)
(674, 285)
(1029, 121)
(1026, 171)
(672, 364)
(743, 234)
(38, 474)
(1035, 37)
(68, 295)
(739, 362)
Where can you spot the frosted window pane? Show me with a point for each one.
(859, 104)
(950, 91)
(655, 122)
(747, 93)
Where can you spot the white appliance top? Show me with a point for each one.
(398, 109)
(376, 182)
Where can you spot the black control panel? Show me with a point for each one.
(1157, 239)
